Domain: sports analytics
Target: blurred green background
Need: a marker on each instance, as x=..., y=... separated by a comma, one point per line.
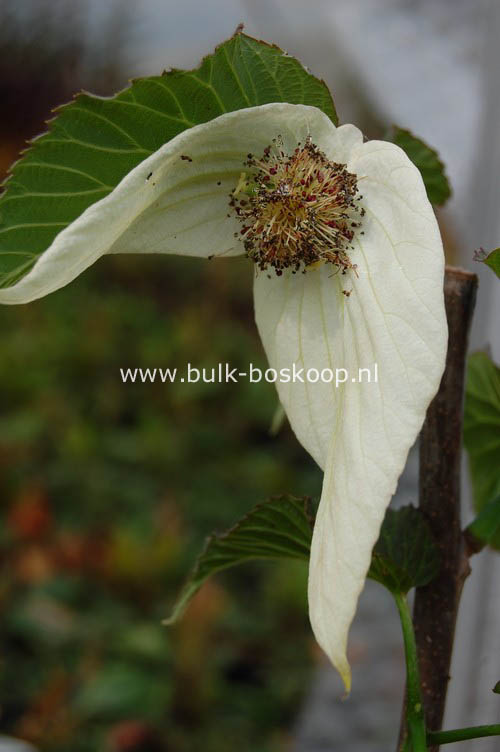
x=108, y=489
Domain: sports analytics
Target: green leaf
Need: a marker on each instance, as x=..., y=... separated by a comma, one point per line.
x=486, y=527
x=491, y=259
x=93, y=142
x=482, y=437
x=496, y=688
x=428, y=162
x=280, y=528
x=405, y=554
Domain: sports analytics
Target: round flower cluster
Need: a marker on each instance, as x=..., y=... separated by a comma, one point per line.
x=297, y=210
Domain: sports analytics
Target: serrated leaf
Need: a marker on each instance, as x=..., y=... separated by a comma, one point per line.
x=428, y=162
x=276, y=529
x=93, y=142
x=482, y=434
x=405, y=555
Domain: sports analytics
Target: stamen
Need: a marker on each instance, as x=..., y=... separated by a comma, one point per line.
x=297, y=210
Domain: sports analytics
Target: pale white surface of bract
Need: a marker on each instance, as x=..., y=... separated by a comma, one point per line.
x=168, y=204
x=360, y=433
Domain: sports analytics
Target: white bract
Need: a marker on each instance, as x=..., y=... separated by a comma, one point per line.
x=384, y=305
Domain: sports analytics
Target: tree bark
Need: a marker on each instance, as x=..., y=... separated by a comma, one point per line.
x=436, y=605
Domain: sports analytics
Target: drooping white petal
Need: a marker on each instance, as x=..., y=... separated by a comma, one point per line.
x=175, y=201
x=360, y=433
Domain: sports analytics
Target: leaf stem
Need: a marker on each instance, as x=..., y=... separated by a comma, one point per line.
x=415, y=718
x=461, y=734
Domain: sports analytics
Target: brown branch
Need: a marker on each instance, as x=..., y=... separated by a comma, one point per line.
x=436, y=605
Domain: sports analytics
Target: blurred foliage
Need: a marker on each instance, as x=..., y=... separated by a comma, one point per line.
x=48, y=51
x=482, y=441
x=108, y=489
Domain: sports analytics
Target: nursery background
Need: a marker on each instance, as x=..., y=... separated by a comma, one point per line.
x=108, y=489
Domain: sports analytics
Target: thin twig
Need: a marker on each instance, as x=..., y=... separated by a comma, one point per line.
x=462, y=734
x=414, y=711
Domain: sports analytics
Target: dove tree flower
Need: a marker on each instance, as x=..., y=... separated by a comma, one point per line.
x=348, y=273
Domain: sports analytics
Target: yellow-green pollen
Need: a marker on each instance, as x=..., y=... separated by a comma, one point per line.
x=297, y=210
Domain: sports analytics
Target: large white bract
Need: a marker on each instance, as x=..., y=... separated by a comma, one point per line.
x=176, y=201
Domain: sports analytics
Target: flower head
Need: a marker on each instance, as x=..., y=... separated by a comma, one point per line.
x=298, y=208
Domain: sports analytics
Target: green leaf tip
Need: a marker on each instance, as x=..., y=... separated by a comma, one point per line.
x=93, y=142
x=280, y=528
x=491, y=259
x=428, y=162
x=405, y=555
x=496, y=688
x=482, y=441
